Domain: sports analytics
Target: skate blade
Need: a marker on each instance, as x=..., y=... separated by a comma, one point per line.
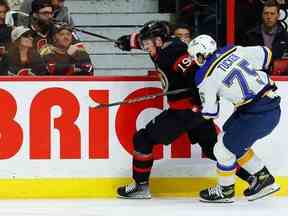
x=227, y=200
x=135, y=197
x=264, y=192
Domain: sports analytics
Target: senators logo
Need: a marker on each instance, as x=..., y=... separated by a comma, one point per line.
x=25, y=72
x=41, y=44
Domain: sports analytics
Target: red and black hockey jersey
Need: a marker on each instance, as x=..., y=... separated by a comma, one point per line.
x=179, y=69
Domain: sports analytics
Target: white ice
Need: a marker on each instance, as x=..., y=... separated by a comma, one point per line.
x=154, y=207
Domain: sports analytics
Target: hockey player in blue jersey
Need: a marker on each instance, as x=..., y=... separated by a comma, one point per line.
x=236, y=74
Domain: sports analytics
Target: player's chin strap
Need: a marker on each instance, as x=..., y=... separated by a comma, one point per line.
x=143, y=98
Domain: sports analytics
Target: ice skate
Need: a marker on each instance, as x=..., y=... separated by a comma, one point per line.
x=262, y=185
x=134, y=191
x=218, y=194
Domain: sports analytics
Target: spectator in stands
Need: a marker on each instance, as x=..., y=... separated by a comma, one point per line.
x=5, y=30
x=41, y=23
x=65, y=58
x=61, y=13
x=184, y=32
x=270, y=33
x=21, y=58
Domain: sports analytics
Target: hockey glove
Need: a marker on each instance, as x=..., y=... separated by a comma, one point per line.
x=123, y=43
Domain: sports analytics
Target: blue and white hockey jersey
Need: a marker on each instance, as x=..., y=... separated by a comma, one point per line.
x=234, y=73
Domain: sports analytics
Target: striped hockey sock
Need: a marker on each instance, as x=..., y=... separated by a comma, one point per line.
x=142, y=165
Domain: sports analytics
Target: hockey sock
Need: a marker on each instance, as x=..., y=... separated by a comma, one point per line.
x=250, y=162
x=243, y=174
x=142, y=165
x=226, y=174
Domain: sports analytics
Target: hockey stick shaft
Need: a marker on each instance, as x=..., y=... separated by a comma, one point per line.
x=144, y=98
x=95, y=35
x=59, y=22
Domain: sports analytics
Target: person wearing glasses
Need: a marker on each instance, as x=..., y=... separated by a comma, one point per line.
x=60, y=11
x=21, y=58
x=41, y=23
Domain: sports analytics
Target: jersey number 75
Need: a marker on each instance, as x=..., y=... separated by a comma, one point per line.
x=238, y=74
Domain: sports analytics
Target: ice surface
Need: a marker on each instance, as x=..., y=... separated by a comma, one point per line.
x=157, y=206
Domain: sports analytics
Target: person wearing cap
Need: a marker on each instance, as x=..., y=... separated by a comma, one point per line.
x=65, y=58
x=21, y=58
x=5, y=30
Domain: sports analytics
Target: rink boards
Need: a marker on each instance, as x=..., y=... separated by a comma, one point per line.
x=55, y=143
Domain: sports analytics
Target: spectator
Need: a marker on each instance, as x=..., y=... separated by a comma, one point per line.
x=65, y=58
x=21, y=58
x=5, y=30
x=61, y=13
x=270, y=33
x=41, y=23
x=184, y=32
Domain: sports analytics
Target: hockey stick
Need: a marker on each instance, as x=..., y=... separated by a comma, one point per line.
x=87, y=32
x=143, y=98
x=95, y=35
x=10, y=21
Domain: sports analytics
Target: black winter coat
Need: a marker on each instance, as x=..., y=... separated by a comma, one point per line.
x=279, y=45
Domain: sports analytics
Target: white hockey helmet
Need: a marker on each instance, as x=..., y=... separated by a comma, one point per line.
x=201, y=47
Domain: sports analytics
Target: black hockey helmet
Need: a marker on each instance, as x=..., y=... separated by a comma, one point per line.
x=153, y=29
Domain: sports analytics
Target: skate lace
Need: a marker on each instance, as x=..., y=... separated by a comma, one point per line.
x=130, y=188
x=217, y=190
